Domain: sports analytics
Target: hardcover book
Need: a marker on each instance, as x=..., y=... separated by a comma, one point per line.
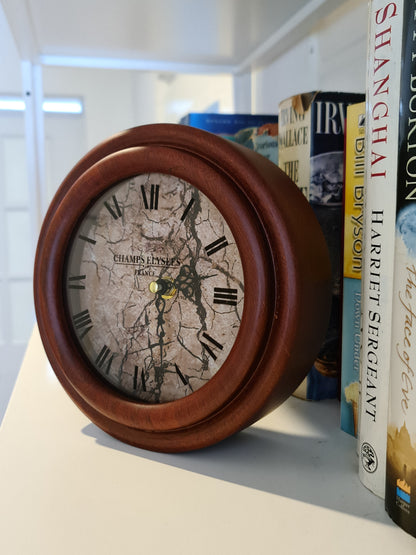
x=353, y=245
x=383, y=77
x=257, y=132
x=400, y=498
x=311, y=152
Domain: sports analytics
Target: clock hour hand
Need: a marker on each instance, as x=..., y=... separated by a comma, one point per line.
x=162, y=290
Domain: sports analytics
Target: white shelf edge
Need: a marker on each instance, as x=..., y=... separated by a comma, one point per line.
x=133, y=64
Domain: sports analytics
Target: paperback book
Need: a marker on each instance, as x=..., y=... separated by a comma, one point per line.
x=400, y=498
x=353, y=250
x=383, y=78
x=311, y=152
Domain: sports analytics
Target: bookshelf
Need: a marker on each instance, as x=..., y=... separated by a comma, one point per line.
x=288, y=484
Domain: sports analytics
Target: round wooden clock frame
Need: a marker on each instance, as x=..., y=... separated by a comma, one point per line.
x=286, y=280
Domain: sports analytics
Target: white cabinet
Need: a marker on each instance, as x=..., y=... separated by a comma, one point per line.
x=67, y=486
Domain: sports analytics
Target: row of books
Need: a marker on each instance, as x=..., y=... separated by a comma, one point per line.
x=354, y=158
x=306, y=139
x=376, y=348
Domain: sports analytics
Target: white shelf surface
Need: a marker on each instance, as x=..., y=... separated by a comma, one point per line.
x=286, y=485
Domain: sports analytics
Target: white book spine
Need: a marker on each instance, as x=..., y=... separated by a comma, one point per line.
x=401, y=438
x=382, y=109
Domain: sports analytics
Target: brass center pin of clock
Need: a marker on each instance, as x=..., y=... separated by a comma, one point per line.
x=164, y=286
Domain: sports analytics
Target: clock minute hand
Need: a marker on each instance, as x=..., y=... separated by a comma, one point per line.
x=186, y=281
x=160, y=307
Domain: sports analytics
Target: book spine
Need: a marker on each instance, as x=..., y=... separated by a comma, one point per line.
x=353, y=245
x=383, y=77
x=328, y=117
x=256, y=132
x=400, y=496
x=311, y=152
x=294, y=160
x=294, y=143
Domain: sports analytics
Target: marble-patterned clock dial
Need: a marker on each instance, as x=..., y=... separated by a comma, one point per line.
x=154, y=287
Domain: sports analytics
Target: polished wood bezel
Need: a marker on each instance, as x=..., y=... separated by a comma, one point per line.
x=286, y=270
x=259, y=292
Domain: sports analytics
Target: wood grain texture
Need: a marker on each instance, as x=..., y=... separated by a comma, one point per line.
x=286, y=273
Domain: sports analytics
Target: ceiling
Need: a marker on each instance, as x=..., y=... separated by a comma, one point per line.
x=205, y=35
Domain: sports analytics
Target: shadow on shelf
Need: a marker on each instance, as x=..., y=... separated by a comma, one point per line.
x=318, y=470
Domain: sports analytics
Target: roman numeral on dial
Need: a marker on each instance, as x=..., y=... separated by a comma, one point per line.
x=184, y=379
x=102, y=360
x=152, y=202
x=209, y=348
x=136, y=379
x=227, y=296
x=215, y=246
x=76, y=282
x=87, y=239
x=113, y=208
x=188, y=207
x=82, y=321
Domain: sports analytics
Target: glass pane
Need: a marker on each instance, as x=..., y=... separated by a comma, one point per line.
x=14, y=156
x=19, y=243
x=22, y=313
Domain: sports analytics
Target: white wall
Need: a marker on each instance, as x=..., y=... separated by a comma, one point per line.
x=280, y=79
x=183, y=93
x=107, y=96
x=332, y=57
x=118, y=99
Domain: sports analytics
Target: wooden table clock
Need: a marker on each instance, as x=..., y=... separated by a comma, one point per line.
x=182, y=287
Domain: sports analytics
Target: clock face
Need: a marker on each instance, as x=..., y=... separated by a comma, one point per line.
x=154, y=287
